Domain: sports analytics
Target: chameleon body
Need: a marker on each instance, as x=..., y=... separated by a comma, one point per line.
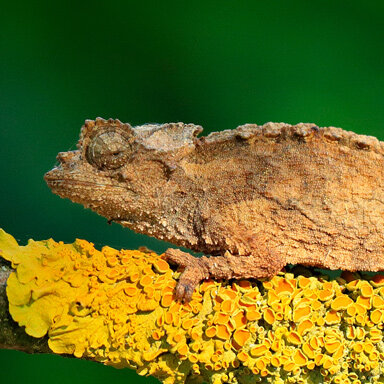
x=256, y=197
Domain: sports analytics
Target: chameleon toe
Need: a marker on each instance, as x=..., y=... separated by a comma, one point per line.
x=184, y=292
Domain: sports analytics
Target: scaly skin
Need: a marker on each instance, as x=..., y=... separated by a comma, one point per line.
x=257, y=197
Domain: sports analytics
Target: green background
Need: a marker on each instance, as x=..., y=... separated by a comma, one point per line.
x=215, y=63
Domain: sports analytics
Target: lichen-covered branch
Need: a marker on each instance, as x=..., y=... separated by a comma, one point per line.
x=119, y=308
x=12, y=336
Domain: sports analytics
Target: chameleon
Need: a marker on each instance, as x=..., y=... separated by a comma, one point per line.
x=252, y=199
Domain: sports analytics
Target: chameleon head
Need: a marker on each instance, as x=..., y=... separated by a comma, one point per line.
x=122, y=172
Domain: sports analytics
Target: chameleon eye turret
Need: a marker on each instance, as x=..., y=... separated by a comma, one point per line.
x=108, y=150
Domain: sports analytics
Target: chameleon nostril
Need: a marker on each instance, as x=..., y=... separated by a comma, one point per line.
x=61, y=156
x=65, y=157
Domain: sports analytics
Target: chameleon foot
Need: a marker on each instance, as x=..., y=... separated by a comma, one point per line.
x=194, y=272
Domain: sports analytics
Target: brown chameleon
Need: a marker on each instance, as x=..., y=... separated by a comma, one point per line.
x=256, y=197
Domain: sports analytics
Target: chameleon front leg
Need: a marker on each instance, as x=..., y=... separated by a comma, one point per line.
x=257, y=265
x=195, y=270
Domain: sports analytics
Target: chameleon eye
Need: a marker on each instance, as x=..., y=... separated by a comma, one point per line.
x=108, y=150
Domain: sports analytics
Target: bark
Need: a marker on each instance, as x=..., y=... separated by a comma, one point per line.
x=11, y=335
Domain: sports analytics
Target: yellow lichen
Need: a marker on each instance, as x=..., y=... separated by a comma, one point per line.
x=118, y=308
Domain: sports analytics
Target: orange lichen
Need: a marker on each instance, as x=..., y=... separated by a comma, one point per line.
x=258, y=350
x=161, y=266
x=223, y=332
x=332, y=317
x=304, y=326
x=269, y=316
x=226, y=306
x=283, y=286
x=376, y=316
x=301, y=313
x=325, y=294
x=294, y=338
x=211, y=331
x=239, y=319
x=118, y=307
x=377, y=301
x=241, y=336
x=341, y=302
x=299, y=358
x=221, y=318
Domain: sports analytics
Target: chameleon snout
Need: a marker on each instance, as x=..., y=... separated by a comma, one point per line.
x=66, y=157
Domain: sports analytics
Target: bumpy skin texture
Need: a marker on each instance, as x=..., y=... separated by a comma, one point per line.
x=258, y=197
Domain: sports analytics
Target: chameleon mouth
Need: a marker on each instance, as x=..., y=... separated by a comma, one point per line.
x=61, y=183
x=56, y=182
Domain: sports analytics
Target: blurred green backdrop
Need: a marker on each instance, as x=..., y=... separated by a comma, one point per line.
x=215, y=63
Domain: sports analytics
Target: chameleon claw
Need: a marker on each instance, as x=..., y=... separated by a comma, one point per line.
x=184, y=292
x=194, y=272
